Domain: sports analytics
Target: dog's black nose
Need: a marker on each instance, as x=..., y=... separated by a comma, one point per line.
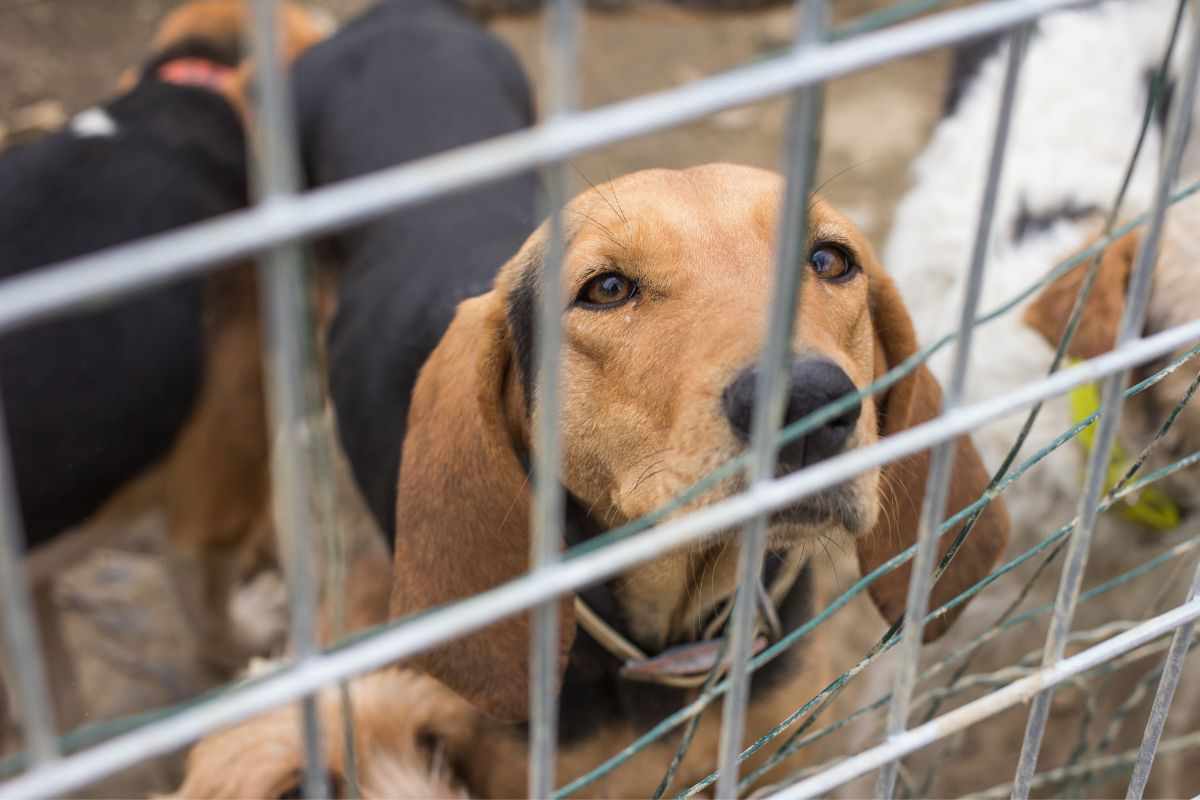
x=816, y=382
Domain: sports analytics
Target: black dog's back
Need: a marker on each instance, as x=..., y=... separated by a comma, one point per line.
x=93, y=398
x=405, y=81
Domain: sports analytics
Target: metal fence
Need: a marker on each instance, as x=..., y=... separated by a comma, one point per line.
x=283, y=218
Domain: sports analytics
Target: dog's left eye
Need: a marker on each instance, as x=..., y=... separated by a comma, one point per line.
x=607, y=290
x=832, y=263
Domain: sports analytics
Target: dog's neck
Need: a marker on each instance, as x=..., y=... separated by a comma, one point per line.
x=668, y=600
x=678, y=598
x=661, y=627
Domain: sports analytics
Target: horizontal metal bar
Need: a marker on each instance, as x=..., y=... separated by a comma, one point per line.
x=435, y=627
x=87, y=279
x=1021, y=691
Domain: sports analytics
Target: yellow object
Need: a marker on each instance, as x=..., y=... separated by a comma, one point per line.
x=1151, y=506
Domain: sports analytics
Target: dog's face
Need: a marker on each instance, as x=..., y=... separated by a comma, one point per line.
x=666, y=292
x=1175, y=284
x=667, y=286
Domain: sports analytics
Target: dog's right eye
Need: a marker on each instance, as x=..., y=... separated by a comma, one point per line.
x=607, y=290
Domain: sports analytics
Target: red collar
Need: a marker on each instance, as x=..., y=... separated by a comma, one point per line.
x=197, y=72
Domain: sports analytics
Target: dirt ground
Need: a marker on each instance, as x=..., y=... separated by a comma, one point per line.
x=60, y=56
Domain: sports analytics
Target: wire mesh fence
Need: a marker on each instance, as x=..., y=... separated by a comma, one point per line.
x=283, y=218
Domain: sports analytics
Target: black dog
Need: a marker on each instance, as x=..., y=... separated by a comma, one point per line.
x=404, y=81
x=94, y=398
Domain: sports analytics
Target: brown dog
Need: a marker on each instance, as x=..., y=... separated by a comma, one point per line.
x=666, y=290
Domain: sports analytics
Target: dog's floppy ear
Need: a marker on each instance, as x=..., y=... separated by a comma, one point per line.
x=1097, y=331
x=916, y=399
x=463, y=504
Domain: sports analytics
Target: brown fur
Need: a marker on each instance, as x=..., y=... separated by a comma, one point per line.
x=227, y=21
x=218, y=492
x=404, y=726
x=1097, y=331
x=217, y=489
x=416, y=739
x=700, y=242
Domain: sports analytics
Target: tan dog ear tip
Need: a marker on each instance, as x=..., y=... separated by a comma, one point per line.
x=1034, y=316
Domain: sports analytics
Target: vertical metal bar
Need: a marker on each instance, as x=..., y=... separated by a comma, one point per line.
x=1106, y=429
x=561, y=44
x=772, y=383
x=933, y=508
x=22, y=643
x=291, y=381
x=1172, y=672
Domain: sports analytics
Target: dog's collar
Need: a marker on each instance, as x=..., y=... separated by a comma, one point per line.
x=689, y=665
x=686, y=665
x=195, y=71
x=1151, y=506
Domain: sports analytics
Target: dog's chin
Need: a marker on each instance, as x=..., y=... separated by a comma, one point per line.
x=810, y=515
x=834, y=511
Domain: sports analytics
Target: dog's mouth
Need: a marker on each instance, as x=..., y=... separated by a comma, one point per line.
x=835, y=507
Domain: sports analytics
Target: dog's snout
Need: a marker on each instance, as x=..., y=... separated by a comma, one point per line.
x=816, y=382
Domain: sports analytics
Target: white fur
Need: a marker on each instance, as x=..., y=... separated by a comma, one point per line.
x=94, y=123
x=1076, y=120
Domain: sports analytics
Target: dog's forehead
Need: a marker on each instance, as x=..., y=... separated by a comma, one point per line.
x=703, y=204
x=708, y=195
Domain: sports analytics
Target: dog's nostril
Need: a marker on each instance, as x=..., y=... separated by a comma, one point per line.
x=815, y=384
x=847, y=420
x=737, y=401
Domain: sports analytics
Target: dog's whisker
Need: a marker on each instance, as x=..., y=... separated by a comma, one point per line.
x=608, y=233
x=658, y=469
x=840, y=173
x=615, y=209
